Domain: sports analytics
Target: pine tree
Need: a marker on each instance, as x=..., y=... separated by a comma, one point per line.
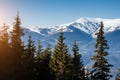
x=17, y=48
x=29, y=60
x=101, y=67
x=45, y=60
x=4, y=38
x=39, y=51
x=38, y=62
x=61, y=59
x=118, y=75
x=5, y=58
x=78, y=66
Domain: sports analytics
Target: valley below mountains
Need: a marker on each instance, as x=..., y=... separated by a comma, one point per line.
x=83, y=32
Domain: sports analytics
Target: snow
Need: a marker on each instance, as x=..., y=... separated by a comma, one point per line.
x=83, y=31
x=111, y=24
x=85, y=24
x=35, y=29
x=91, y=25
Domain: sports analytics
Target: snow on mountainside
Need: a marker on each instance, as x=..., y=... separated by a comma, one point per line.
x=82, y=31
x=93, y=23
x=88, y=25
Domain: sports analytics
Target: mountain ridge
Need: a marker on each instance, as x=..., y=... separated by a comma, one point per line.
x=83, y=32
x=88, y=25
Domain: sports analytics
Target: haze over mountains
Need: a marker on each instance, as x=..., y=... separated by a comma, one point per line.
x=83, y=32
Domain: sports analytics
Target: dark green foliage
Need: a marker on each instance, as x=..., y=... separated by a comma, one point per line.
x=118, y=75
x=46, y=56
x=45, y=60
x=101, y=67
x=4, y=38
x=28, y=60
x=17, y=49
x=22, y=63
x=5, y=54
x=78, y=66
x=39, y=51
x=38, y=62
x=60, y=61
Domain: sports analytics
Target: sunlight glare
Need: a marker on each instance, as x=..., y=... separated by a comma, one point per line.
x=2, y=14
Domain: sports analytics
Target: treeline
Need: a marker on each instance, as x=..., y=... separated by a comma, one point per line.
x=27, y=62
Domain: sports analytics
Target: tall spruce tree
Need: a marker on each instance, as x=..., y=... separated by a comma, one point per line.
x=45, y=59
x=118, y=75
x=17, y=48
x=101, y=67
x=39, y=51
x=78, y=66
x=5, y=56
x=29, y=59
x=4, y=38
x=38, y=62
x=60, y=60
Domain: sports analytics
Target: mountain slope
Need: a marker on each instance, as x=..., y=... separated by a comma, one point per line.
x=82, y=31
x=88, y=25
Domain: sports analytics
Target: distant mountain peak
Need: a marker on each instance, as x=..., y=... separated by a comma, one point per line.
x=85, y=24
x=83, y=32
x=86, y=19
x=91, y=25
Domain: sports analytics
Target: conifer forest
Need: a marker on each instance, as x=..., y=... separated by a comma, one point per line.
x=25, y=61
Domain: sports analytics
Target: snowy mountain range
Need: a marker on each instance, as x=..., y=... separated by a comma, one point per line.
x=88, y=25
x=83, y=32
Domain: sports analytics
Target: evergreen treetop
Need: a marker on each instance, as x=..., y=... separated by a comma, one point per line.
x=118, y=75
x=60, y=59
x=101, y=67
x=78, y=66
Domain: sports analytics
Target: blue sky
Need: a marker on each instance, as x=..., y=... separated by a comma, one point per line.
x=55, y=12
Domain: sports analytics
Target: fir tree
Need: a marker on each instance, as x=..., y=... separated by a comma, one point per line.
x=38, y=62
x=17, y=48
x=29, y=60
x=45, y=59
x=39, y=51
x=61, y=59
x=101, y=67
x=4, y=38
x=5, y=56
x=47, y=55
x=78, y=66
x=118, y=75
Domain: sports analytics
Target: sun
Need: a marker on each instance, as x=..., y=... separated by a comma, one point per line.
x=2, y=14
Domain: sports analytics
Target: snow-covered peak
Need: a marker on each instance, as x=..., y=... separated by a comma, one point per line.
x=85, y=24
x=91, y=25
x=34, y=29
x=87, y=19
x=109, y=24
